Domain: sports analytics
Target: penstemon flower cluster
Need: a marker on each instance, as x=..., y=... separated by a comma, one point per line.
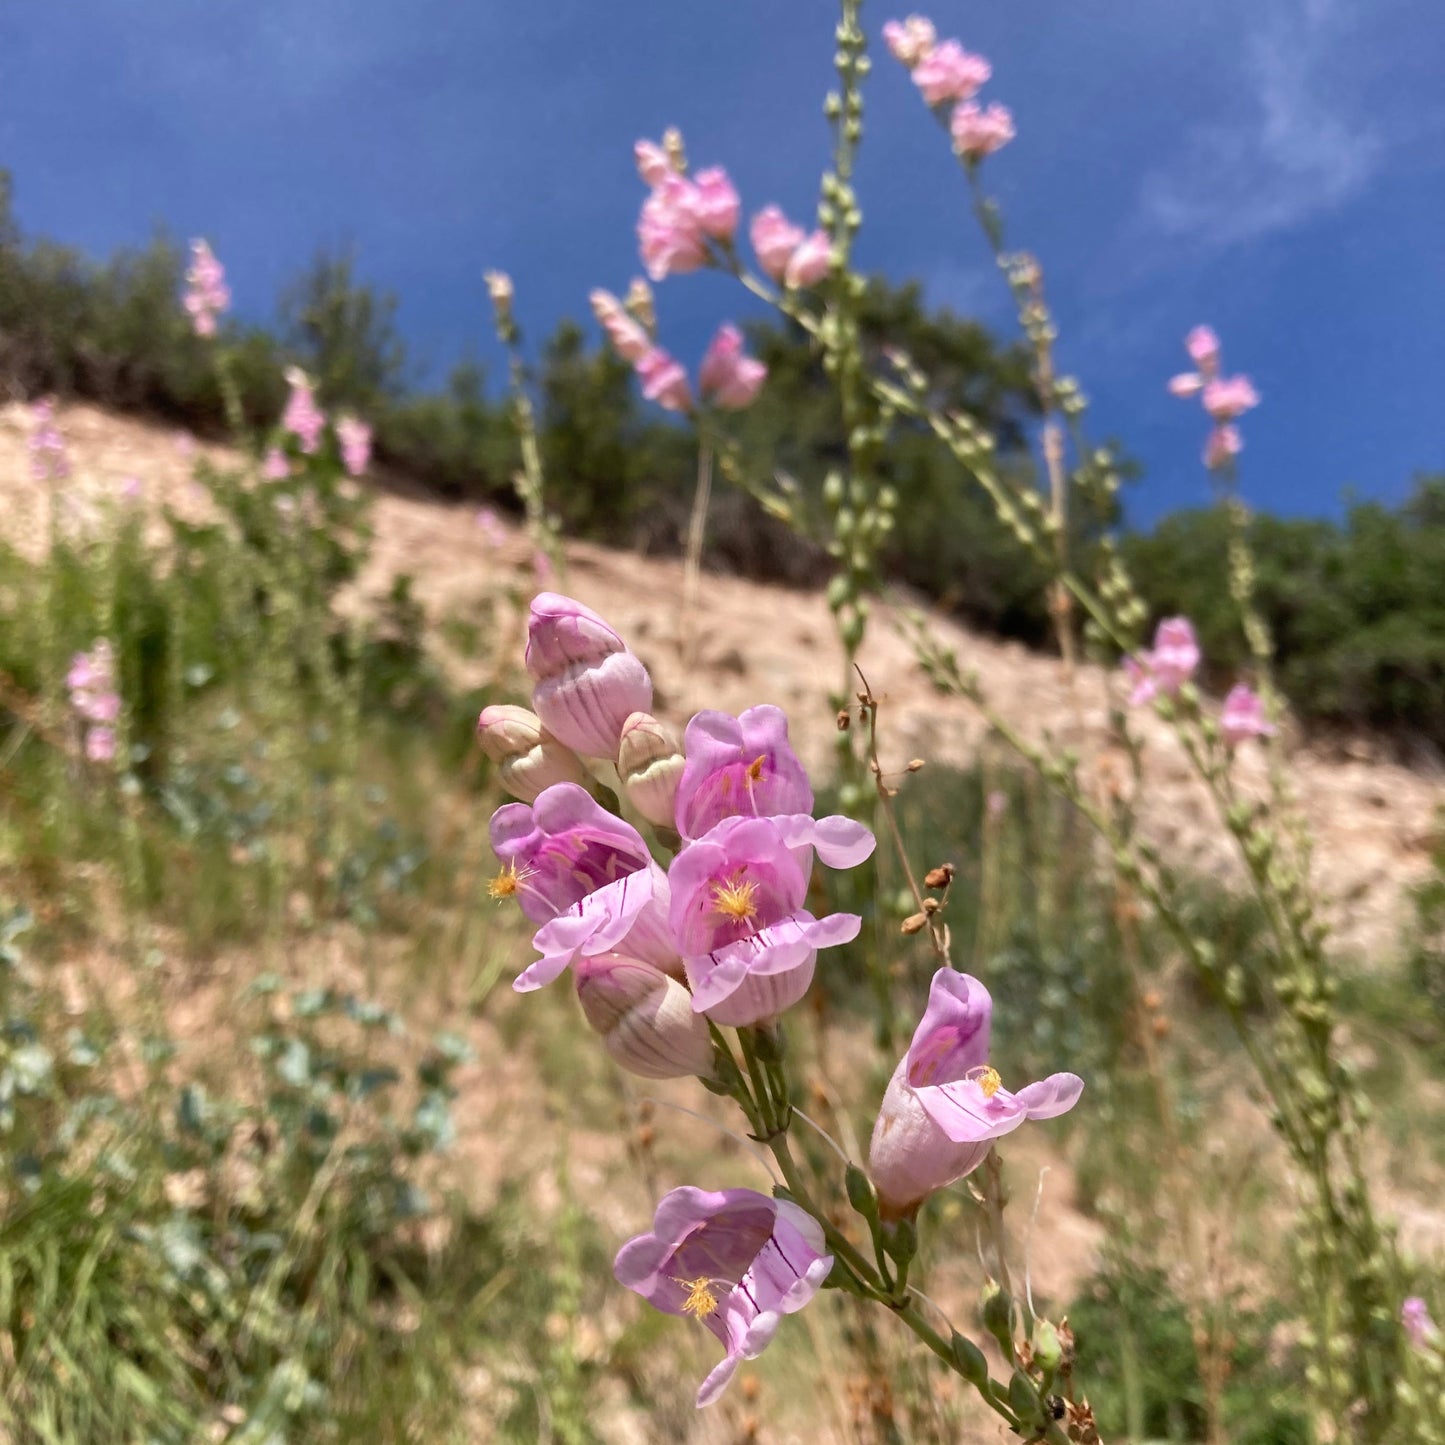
x=95, y=700
x=707, y=929
x=207, y=295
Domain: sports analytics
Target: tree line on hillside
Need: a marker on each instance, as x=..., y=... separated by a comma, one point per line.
x=1357, y=606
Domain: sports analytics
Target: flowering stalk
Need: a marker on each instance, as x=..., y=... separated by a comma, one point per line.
x=529, y=482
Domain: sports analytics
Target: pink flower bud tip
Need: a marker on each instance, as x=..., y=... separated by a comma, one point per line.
x=628, y=337
x=664, y=380
x=587, y=682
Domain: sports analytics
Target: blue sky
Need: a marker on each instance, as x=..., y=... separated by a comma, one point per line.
x=1273, y=167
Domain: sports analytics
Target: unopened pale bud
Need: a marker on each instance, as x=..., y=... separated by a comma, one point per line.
x=527, y=756
x=650, y=763
x=587, y=682
x=645, y=1018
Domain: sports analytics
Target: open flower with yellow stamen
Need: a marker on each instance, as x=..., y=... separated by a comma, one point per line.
x=734, y=1260
x=739, y=766
x=946, y=1103
x=586, y=877
x=737, y=914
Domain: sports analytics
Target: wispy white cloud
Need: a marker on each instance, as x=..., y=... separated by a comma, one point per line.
x=1298, y=149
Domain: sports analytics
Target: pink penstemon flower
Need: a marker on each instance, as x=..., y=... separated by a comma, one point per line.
x=645, y=1017
x=946, y=1103
x=628, y=336
x=354, y=437
x=1164, y=669
x=910, y=40
x=302, y=417
x=980, y=131
x=728, y=377
x=775, y=238
x=95, y=700
x=1225, y=398
x=207, y=294
x=948, y=72
x=735, y=1260
x=738, y=914
x=1243, y=716
x=664, y=380
x=275, y=467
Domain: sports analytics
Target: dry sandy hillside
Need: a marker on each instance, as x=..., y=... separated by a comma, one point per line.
x=1372, y=819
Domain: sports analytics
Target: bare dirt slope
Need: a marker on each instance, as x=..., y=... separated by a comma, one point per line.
x=1372, y=819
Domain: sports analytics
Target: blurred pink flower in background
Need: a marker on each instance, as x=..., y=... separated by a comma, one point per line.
x=949, y=72
x=1168, y=666
x=1228, y=397
x=653, y=163
x=130, y=489
x=355, y=438
x=1203, y=348
x=910, y=40
x=1419, y=1327
x=728, y=377
x=980, y=131
x=207, y=294
x=275, y=468
x=94, y=700
x=628, y=336
x=302, y=417
x=811, y=262
x=1243, y=716
x=716, y=204
x=1221, y=446
x=490, y=525
x=774, y=239
x=664, y=380
x=48, y=459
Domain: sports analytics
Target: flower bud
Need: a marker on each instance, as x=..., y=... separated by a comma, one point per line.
x=527, y=756
x=645, y=1018
x=650, y=762
x=587, y=682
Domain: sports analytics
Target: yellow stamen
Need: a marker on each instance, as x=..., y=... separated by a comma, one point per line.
x=734, y=899
x=700, y=1301
x=755, y=768
x=987, y=1078
x=507, y=883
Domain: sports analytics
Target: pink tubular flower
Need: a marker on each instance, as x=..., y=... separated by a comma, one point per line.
x=649, y=764
x=628, y=337
x=1226, y=398
x=811, y=262
x=945, y=1104
x=355, y=438
x=774, y=238
x=207, y=294
x=716, y=204
x=275, y=468
x=302, y=417
x=1242, y=716
x=980, y=131
x=1203, y=348
x=670, y=229
x=100, y=745
x=94, y=700
x=949, y=72
x=528, y=758
x=1175, y=657
x=48, y=459
x=586, y=877
x=727, y=377
x=664, y=380
x=644, y=1016
x=1419, y=1327
x=586, y=681
x=737, y=915
x=739, y=767
x=1221, y=446
x=910, y=40
x=653, y=163
x=736, y=1260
